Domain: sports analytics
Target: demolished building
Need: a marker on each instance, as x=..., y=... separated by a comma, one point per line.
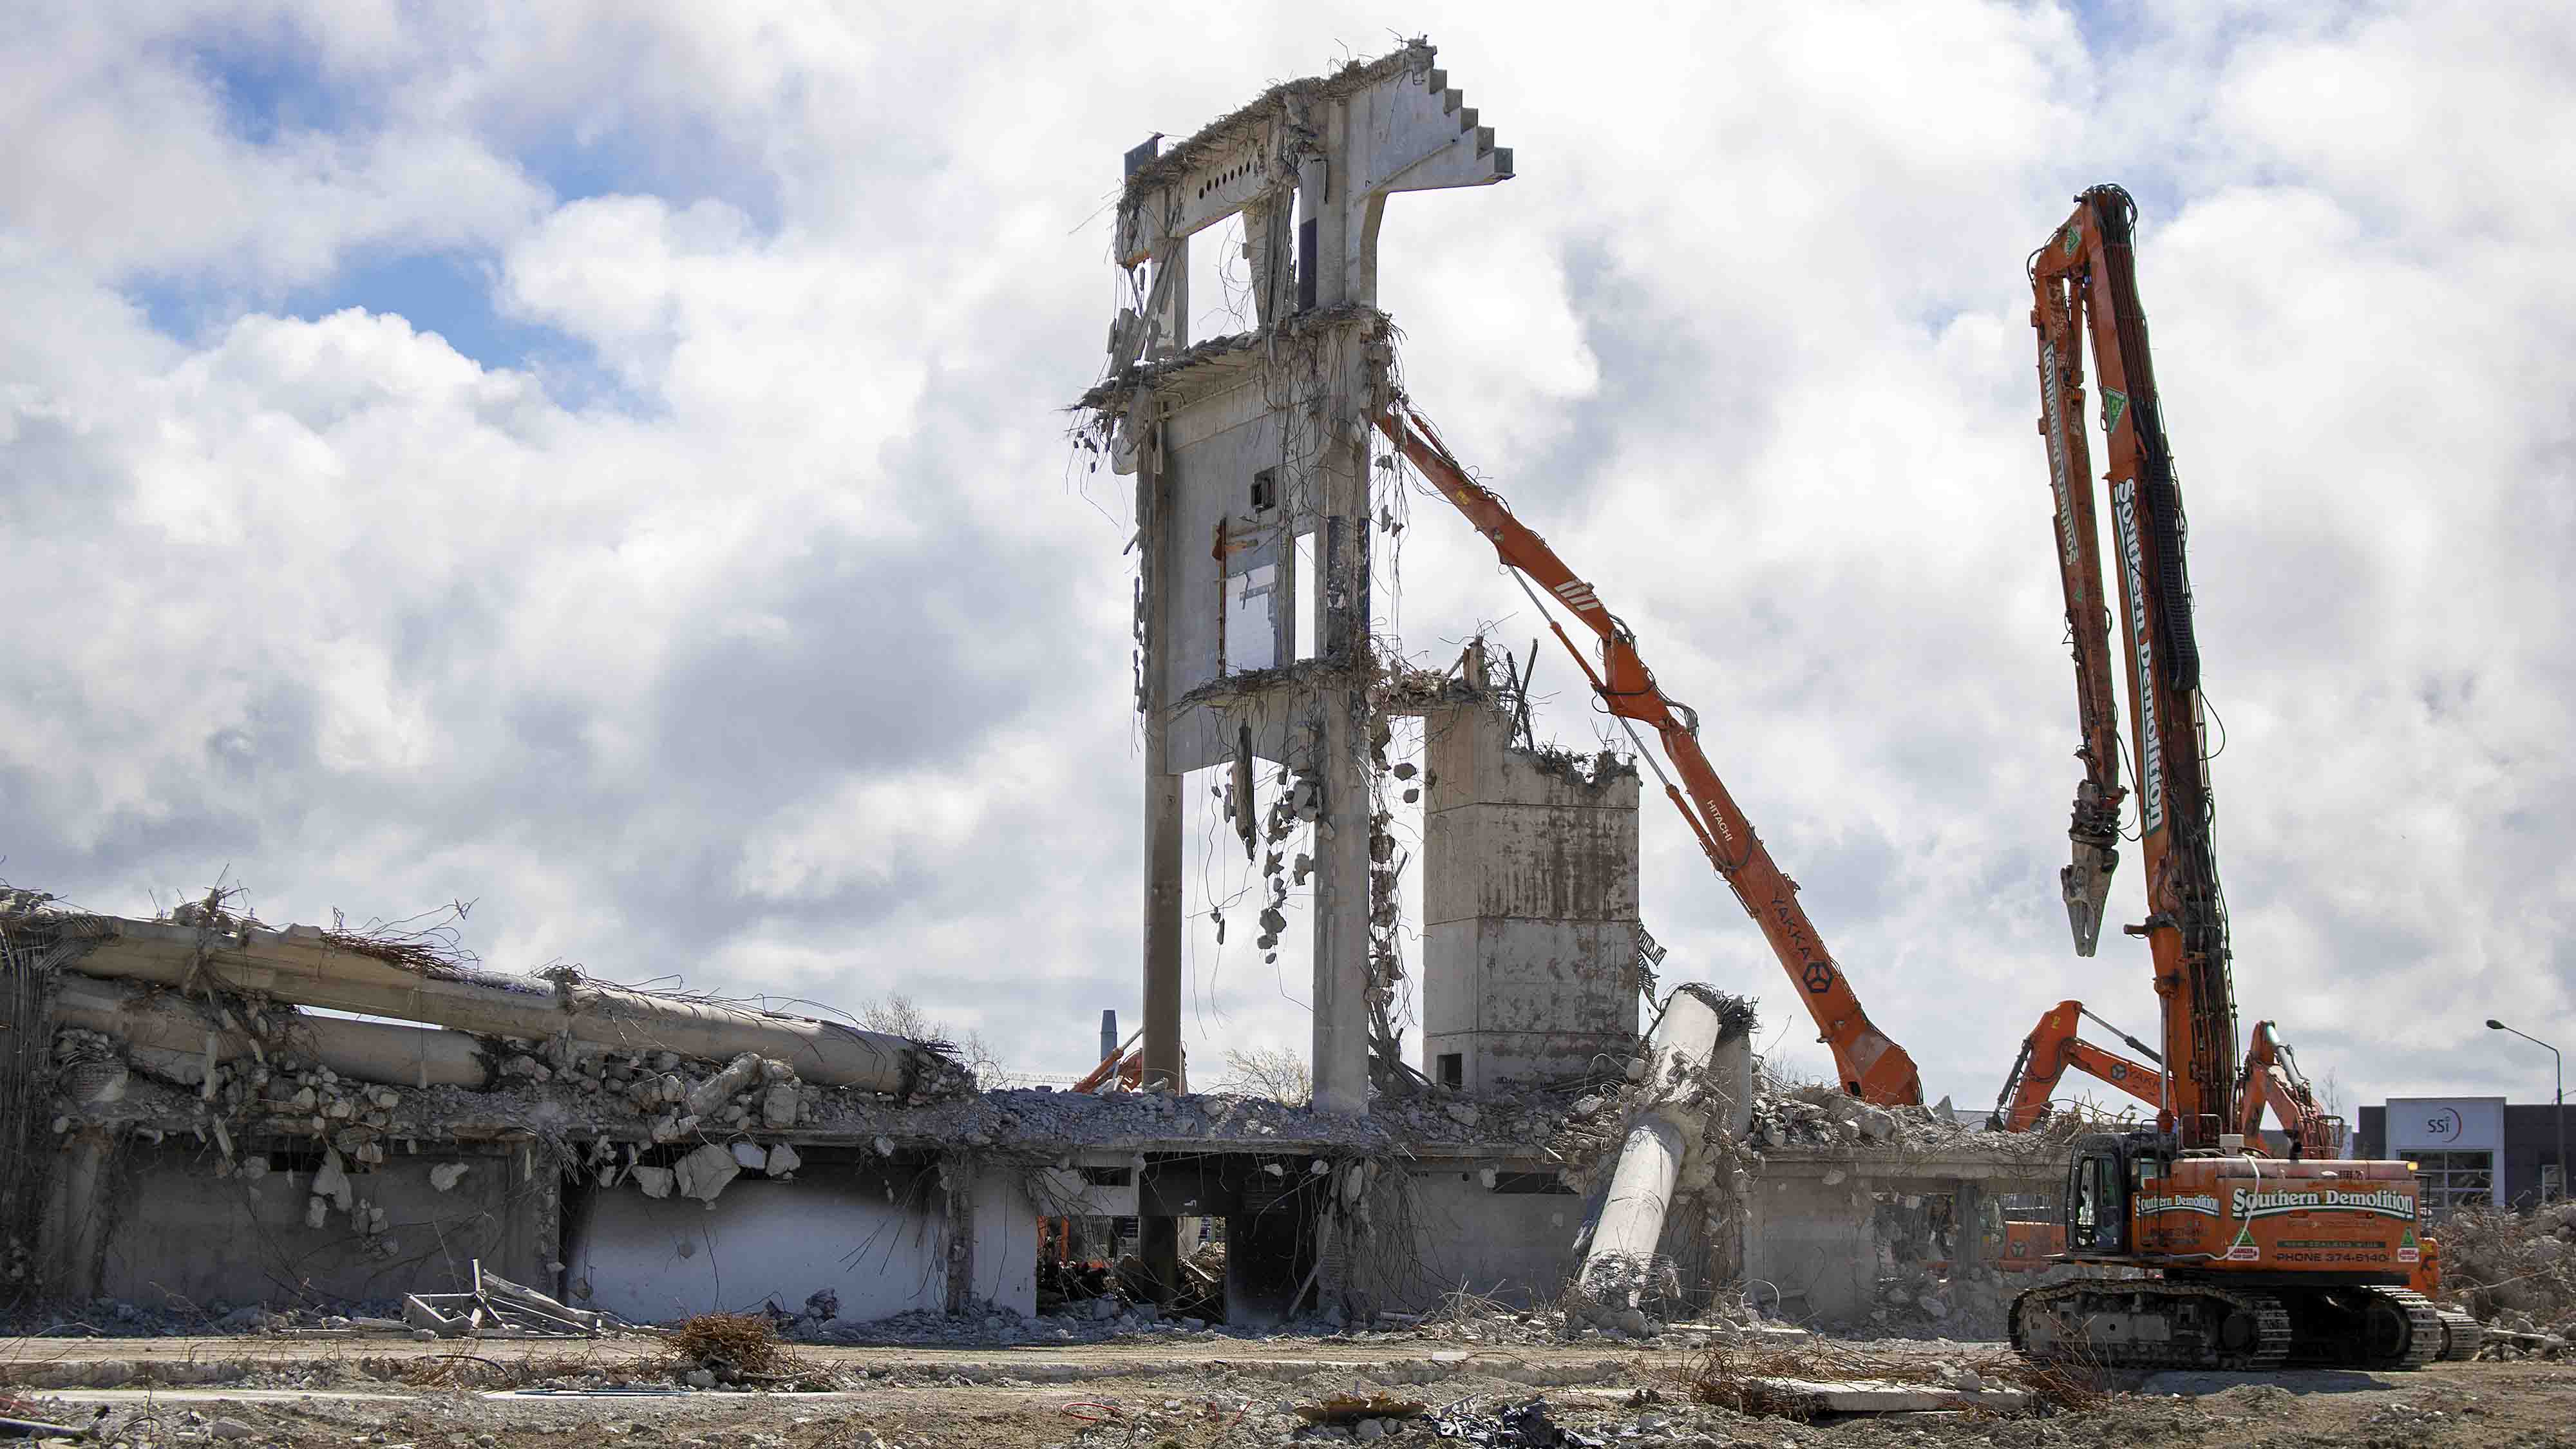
x=206, y=1110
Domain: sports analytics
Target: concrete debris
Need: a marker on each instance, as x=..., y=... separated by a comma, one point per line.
x=495, y=1307
x=706, y=1172
x=446, y=1175
x=2516, y=1273
x=654, y=1181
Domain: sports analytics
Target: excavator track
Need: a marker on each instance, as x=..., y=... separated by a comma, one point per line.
x=2154, y=1323
x=2461, y=1335
x=2424, y=1333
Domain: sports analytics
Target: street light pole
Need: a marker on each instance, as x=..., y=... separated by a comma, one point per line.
x=2559, y=1069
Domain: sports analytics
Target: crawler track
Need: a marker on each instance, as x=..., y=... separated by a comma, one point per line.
x=2205, y=1326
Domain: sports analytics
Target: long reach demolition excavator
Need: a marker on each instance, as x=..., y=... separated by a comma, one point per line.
x=2250, y=1262
x=1870, y=1065
x=2052, y=1048
x=2270, y=1078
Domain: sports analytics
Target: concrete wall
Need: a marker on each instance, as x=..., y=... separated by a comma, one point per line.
x=656, y=1259
x=834, y=1227
x=1529, y=907
x=1816, y=1243
x=1509, y=1245
x=169, y=1228
x=1006, y=1243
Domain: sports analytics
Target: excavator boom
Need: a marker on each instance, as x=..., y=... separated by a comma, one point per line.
x=2051, y=1048
x=2084, y=286
x=2272, y=1079
x=1871, y=1066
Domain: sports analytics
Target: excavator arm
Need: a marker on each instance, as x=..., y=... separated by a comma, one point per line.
x=1871, y=1066
x=2272, y=1079
x=2085, y=288
x=2051, y=1048
x=2057, y=313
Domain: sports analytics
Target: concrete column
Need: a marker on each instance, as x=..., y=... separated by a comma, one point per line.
x=1162, y=1044
x=1158, y=1239
x=1341, y=1045
x=1631, y=1223
x=76, y=1237
x=1967, y=1229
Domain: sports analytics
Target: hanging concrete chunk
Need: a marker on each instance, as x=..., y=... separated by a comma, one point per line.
x=749, y=1156
x=332, y=1181
x=656, y=1181
x=783, y=1160
x=704, y=1173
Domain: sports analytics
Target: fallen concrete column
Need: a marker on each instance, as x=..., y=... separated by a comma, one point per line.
x=183, y=1042
x=1621, y=1261
x=307, y=966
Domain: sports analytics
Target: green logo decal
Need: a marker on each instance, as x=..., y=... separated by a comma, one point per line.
x=2243, y=1249
x=2071, y=238
x=2113, y=405
x=2409, y=1248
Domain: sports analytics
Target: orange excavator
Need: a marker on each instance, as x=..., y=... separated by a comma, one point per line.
x=2248, y=1262
x=1870, y=1066
x=2051, y=1048
x=2271, y=1078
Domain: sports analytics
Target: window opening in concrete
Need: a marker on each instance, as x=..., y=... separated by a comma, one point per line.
x=296, y=1159
x=1453, y=1069
x=1251, y=641
x=1265, y=490
x=1268, y=1253
x=1308, y=594
x=1527, y=1184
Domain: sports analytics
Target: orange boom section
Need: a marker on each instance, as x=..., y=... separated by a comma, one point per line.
x=1871, y=1066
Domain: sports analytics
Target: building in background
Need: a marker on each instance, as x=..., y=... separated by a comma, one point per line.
x=2468, y=1149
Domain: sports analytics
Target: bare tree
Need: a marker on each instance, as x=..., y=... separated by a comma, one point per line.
x=896, y=1014
x=1273, y=1072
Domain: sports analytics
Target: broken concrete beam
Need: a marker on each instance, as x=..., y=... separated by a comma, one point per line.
x=419, y=1313
x=737, y=1076
x=521, y=1296
x=308, y=967
x=179, y=1036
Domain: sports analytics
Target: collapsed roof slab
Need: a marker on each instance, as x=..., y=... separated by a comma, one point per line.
x=312, y=967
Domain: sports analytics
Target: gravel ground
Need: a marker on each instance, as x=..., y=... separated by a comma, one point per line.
x=1230, y=1394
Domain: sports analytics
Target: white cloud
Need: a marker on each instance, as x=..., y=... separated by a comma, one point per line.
x=795, y=657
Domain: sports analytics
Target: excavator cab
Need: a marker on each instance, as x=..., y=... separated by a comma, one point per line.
x=2097, y=1197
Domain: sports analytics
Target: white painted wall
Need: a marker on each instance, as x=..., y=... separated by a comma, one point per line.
x=652, y=1260
x=1006, y=1244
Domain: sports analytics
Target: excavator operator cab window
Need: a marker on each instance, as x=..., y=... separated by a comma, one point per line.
x=2098, y=1209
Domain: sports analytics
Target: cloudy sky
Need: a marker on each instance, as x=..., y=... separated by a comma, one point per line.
x=605, y=462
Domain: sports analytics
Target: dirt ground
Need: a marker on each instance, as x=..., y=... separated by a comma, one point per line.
x=1222, y=1394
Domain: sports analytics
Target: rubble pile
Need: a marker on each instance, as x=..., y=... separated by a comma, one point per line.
x=1926, y=1300
x=1818, y=1114
x=2516, y=1273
